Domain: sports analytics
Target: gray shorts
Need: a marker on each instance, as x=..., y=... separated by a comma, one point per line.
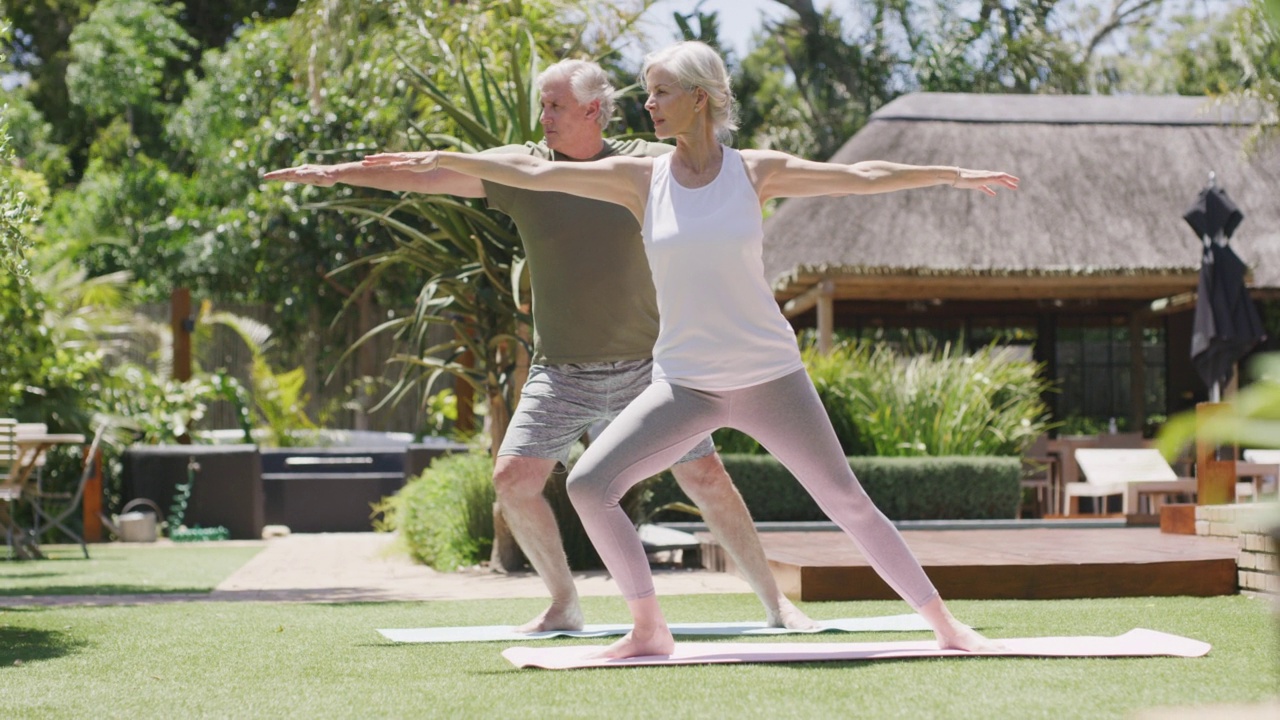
x=560, y=403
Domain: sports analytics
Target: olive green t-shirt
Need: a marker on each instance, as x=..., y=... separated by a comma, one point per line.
x=593, y=297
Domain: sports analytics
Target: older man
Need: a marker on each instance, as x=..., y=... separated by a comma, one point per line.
x=595, y=320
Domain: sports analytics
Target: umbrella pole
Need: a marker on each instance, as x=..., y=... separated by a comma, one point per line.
x=1215, y=479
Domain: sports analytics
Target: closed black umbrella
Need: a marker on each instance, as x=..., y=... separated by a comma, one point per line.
x=1227, y=325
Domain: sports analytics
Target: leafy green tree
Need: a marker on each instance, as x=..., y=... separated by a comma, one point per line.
x=119, y=55
x=41, y=50
x=241, y=232
x=814, y=78
x=1255, y=46
x=16, y=212
x=469, y=73
x=31, y=138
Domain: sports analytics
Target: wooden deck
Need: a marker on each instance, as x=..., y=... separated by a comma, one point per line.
x=1024, y=564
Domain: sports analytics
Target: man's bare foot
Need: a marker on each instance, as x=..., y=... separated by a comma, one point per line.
x=555, y=618
x=633, y=644
x=963, y=637
x=789, y=616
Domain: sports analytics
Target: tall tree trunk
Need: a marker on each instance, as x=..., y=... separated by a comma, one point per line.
x=506, y=555
x=366, y=356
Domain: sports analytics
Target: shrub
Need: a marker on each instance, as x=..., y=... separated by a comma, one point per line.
x=445, y=515
x=943, y=488
x=931, y=404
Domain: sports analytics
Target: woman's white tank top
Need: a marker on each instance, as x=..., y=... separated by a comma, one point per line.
x=720, y=327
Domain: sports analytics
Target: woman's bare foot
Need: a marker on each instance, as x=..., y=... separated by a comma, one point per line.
x=641, y=644
x=789, y=616
x=963, y=637
x=953, y=634
x=555, y=618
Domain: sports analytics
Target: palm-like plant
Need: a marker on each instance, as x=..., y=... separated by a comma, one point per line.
x=470, y=69
x=470, y=258
x=934, y=403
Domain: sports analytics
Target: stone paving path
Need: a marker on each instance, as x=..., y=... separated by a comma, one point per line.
x=345, y=567
x=362, y=567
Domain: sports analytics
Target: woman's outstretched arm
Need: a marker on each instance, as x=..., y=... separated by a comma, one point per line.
x=778, y=174
x=619, y=180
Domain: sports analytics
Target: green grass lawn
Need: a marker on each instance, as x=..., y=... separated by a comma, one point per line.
x=326, y=661
x=124, y=569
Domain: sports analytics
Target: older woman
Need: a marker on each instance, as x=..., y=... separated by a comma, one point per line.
x=725, y=355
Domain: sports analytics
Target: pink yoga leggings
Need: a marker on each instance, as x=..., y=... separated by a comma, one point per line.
x=786, y=417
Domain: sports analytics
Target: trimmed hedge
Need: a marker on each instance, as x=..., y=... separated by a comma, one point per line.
x=904, y=488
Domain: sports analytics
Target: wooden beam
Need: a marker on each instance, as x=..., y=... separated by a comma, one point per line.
x=1144, y=288
x=1170, y=305
x=808, y=299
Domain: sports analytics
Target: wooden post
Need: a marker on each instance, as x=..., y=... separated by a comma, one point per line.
x=1215, y=479
x=180, y=319
x=521, y=374
x=465, y=394
x=1137, y=375
x=826, y=316
x=182, y=323
x=91, y=504
x=506, y=555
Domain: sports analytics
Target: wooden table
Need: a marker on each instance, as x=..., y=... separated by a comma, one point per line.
x=30, y=449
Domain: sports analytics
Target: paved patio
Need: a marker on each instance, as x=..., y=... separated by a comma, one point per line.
x=364, y=567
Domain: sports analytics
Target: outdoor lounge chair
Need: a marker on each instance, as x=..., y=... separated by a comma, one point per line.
x=1130, y=474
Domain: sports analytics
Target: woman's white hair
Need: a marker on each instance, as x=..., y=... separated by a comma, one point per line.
x=587, y=81
x=696, y=65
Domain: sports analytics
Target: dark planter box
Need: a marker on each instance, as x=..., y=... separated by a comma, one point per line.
x=329, y=489
x=228, y=489
x=309, y=490
x=334, y=489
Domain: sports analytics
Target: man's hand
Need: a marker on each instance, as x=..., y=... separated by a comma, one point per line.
x=318, y=175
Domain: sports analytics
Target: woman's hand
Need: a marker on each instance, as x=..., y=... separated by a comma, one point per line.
x=984, y=180
x=424, y=161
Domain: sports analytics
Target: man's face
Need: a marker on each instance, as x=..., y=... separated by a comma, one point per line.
x=564, y=119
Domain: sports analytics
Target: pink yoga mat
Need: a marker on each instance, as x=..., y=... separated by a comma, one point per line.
x=1135, y=643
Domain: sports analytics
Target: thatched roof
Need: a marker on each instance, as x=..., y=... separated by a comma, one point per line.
x=1105, y=181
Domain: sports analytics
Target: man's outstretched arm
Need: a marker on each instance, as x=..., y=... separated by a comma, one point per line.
x=436, y=182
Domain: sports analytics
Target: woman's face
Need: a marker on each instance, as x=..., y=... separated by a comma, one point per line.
x=672, y=108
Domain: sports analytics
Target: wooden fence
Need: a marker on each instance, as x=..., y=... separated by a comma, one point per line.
x=337, y=397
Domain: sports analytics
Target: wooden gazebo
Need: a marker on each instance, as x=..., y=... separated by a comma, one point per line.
x=1096, y=230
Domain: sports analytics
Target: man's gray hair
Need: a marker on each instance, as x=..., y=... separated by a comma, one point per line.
x=587, y=80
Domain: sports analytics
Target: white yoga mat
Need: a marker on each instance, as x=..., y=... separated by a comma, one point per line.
x=507, y=633
x=1135, y=643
